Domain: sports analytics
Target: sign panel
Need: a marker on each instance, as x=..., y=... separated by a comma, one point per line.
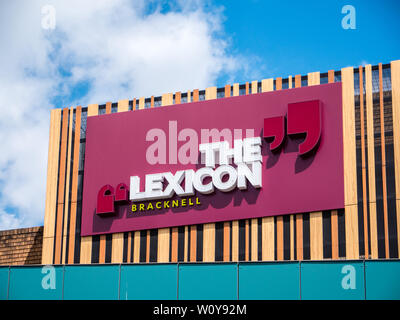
x=243, y=157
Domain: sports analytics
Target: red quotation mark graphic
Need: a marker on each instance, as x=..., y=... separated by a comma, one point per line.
x=302, y=118
x=106, y=198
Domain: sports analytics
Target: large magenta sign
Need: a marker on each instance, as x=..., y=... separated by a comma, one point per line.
x=243, y=157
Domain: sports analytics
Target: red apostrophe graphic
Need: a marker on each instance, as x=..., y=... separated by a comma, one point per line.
x=274, y=128
x=105, y=200
x=305, y=117
x=121, y=193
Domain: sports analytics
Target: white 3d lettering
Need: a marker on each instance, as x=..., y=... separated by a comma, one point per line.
x=245, y=154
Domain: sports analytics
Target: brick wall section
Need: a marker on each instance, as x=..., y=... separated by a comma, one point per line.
x=21, y=246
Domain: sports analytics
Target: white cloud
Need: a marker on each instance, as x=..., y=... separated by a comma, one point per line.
x=141, y=55
x=9, y=221
x=117, y=48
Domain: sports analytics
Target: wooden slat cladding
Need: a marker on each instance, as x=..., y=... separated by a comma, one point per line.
x=279, y=219
x=102, y=245
x=193, y=247
x=51, y=187
x=163, y=245
x=367, y=226
x=74, y=187
x=192, y=230
x=254, y=222
x=67, y=189
x=334, y=235
x=279, y=237
x=267, y=223
x=117, y=241
x=334, y=213
x=234, y=234
x=86, y=242
x=349, y=143
x=174, y=244
x=178, y=97
x=246, y=240
x=316, y=235
x=395, y=76
x=364, y=205
x=375, y=133
x=383, y=154
x=299, y=217
x=350, y=170
x=227, y=229
x=209, y=228
x=61, y=186
x=174, y=232
x=136, y=247
x=388, y=167
x=371, y=162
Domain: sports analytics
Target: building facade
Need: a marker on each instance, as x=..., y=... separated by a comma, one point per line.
x=21, y=246
x=367, y=227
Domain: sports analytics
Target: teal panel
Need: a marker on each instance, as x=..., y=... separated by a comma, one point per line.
x=208, y=281
x=332, y=280
x=269, y=281
x=36, y=283
x=91, y=282
x=383, y=280
x=3, y=283
x=149, y=282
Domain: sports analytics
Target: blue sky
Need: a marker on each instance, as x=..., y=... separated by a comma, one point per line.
x=297, y=37
x=281, y=38
x=102, y=50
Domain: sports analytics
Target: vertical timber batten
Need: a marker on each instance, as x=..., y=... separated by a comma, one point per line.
x=61, y=187
x=51, y=186
x=118, y=238
x=316, y=235
x=74, y=187
x=235, y=224
x=334, y=213
x=371, y=162
x=267, y=238
x=267, y=223
x=363, y=163
x=299, y=217
x=163, y=242
x=395, y=75
x=350, y=170
x=67, y=187
x=254, y=222
x=86, y=242
x=102, y=244
x=383, y=166
x=279, y=219
x=227, y=241
x=209, y=228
